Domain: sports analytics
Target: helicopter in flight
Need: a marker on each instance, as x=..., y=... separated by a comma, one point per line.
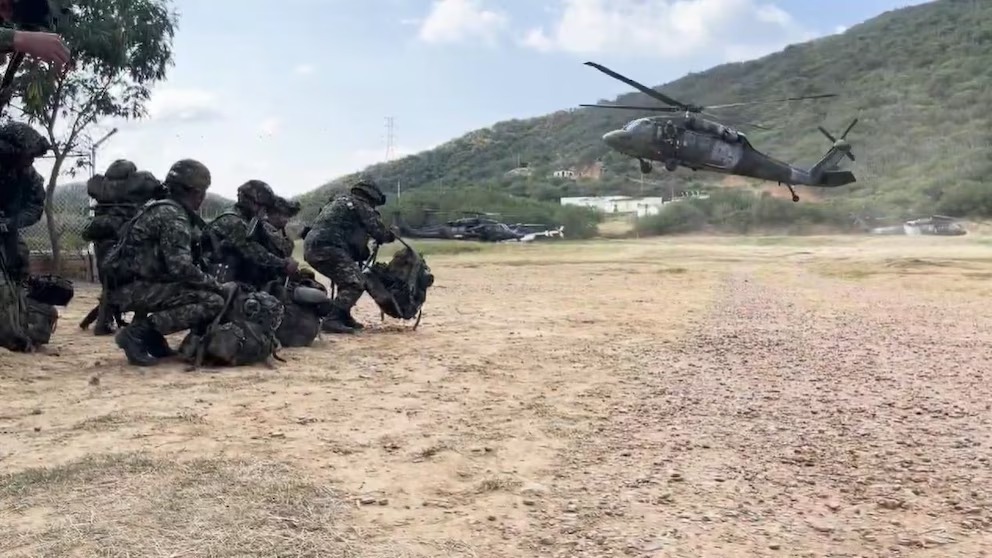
x=685, y=139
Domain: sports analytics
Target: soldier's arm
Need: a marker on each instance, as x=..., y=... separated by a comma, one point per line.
x=176, y=239
x=373, y=224
x=34, y=204
x=234, y=233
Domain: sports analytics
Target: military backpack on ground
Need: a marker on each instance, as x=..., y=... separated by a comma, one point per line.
x=306, y=303
x=244, y=335
x=399, y=288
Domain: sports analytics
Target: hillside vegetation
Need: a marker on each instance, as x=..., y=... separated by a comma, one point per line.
x=919, y=79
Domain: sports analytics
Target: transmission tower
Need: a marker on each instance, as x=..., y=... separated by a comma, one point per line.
x=390, y=128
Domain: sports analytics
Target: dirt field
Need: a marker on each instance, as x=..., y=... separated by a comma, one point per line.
x=698, y=397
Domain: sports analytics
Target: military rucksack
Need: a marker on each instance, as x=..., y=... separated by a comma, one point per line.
x=244, y=335
x=399, y=288
x=306, y=303
x=14, y=333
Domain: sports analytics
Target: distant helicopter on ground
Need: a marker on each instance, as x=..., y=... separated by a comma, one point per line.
x=480, y=227
x=694, y=142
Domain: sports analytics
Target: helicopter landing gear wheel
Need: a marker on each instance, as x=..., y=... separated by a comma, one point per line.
x=645, y=166
x=671, y=166
x=795, y=196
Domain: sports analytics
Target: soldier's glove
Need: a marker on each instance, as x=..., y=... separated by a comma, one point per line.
x=388, y=237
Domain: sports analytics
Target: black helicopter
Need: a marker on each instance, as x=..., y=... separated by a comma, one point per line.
x=691, y=141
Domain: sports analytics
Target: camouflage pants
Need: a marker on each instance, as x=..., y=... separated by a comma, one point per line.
x=338, y=266
x=172, y=307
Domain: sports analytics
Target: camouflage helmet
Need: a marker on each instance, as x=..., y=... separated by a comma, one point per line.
x=18, y=139
x=367, y=188
x=256, y=192
x=120, y=169
x=189, y=174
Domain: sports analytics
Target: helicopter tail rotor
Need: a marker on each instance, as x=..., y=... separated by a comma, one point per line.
x=841, y=144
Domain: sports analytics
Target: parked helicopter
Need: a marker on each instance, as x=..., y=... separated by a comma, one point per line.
x=699, y=144
x=480, y=227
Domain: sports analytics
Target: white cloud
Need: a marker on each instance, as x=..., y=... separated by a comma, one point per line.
x=270, y=126
x=304, y=69
x=737, y=29
x=184, y=105
x=840, y=29
x=452, y=21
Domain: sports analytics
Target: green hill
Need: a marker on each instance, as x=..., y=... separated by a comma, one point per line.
x=919, y=79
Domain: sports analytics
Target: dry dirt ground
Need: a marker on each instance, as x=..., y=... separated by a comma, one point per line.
x=692, y=397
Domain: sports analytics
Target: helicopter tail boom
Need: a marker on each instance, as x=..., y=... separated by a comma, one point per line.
x=824, y=172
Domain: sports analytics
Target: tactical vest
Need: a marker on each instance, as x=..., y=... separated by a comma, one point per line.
x=119, y=266
x=246, y=334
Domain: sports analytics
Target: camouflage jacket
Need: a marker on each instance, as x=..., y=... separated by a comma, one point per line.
x=22, y=197
x=280, y=241
x=159, y=245
x=347, y=222
x=251, y=261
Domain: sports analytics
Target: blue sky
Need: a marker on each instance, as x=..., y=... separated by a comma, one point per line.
x=298, y=95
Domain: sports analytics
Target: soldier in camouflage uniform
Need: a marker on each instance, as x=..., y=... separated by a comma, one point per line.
x=337, y=243
x=278, y=218
x=244, y=250
x=22, y=192
x=152, y=269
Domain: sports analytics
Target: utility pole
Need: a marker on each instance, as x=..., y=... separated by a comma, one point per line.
x=390, y=147
x=94, y=147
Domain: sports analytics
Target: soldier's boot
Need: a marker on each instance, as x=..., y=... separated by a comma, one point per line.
x=351, y=322
x=336, y=322
x=133, y=341
x=158, y=346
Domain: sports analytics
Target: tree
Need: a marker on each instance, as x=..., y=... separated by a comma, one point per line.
x=120, y=48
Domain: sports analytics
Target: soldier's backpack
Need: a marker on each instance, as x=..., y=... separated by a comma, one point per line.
x=399, y=288
x=44, y=293
x=119, y=195
x=244, y=335
x=306, y=303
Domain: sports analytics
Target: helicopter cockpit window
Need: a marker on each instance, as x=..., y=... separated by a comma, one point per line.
x=635, y=123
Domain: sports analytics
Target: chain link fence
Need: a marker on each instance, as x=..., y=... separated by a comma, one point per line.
x=70, y=213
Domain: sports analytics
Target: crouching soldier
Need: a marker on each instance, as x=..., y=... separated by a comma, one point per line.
x=151, y=270
x=236, y=245
x=337, y=243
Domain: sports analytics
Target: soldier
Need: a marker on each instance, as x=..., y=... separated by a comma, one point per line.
x=152, y=271
x=338, y=241
x=278, y=218
x=22, y=192
x=244, y=253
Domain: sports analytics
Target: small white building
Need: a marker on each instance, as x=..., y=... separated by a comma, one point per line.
x=564, y=174
x=620, y=205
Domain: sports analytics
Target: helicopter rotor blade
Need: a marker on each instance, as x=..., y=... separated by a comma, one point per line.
x=849, y=126
x=639, y=86
x=635, y=107
x=826, y=133
x=786, y=99
x=738, y=122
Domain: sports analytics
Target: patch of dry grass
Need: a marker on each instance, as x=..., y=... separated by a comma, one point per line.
x=136, y=505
